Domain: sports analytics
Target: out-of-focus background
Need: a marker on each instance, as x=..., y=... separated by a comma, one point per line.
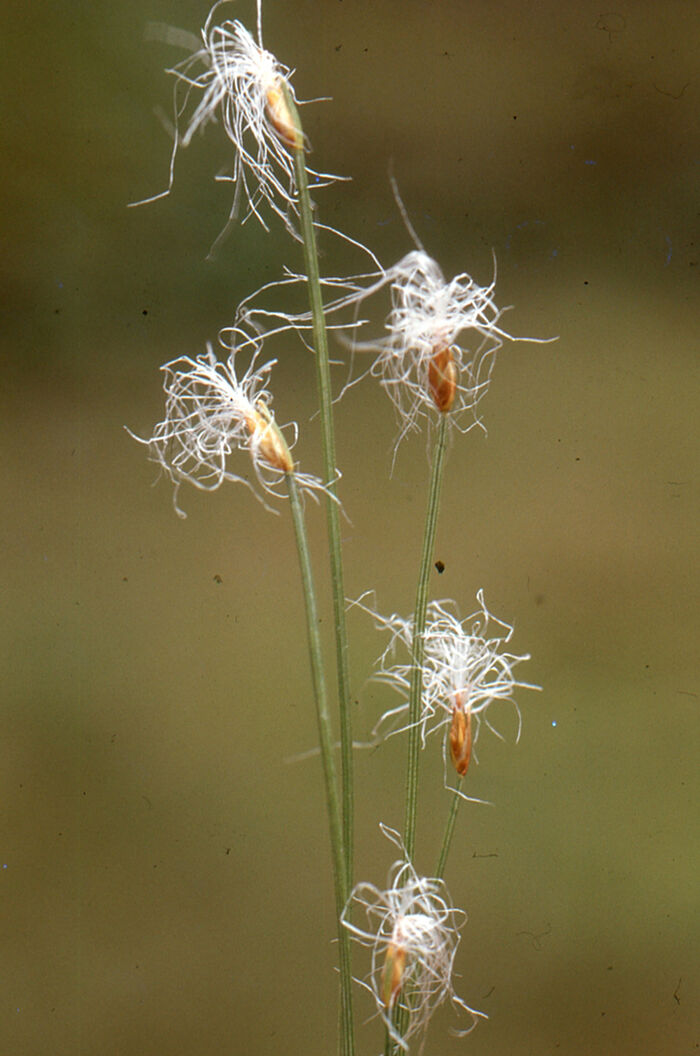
x=165, y=875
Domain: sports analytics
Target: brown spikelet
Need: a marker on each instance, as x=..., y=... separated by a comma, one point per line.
x=442, y=378
x=280, y=117
x=461, y=738
x=269, y=441
x=394, y=964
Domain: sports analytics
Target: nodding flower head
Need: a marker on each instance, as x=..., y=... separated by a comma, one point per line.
x=246, y=88
x=441, y=339
x=412, y=931
x=465, y=670
x=209, y=414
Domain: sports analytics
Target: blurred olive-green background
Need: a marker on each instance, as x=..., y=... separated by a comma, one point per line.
x=165, y=874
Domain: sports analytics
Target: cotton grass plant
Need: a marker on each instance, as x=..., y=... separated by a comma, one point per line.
x=434, y=359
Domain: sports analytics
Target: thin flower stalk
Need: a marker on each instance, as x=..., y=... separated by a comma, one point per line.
x=320, y=343
x=412, y=932
x=449, y=828
x=418, y=643
x=330, y=778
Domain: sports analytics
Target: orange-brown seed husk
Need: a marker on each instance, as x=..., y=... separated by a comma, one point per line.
x=280, y=117
x=442, y=378
x=269, y=441
x=461, y=738
x=394, y=965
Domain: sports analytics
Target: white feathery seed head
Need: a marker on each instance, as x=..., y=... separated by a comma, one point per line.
x=412, y=932
x=210, y=414
x=440, y=341
x=466, y=668
x=436, y=354
x=245, y=87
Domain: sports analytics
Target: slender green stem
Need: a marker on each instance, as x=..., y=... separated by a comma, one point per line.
x=308, y=235
x=449, y=830
x=326, y=742
x=418, y=648
x=416, y=690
